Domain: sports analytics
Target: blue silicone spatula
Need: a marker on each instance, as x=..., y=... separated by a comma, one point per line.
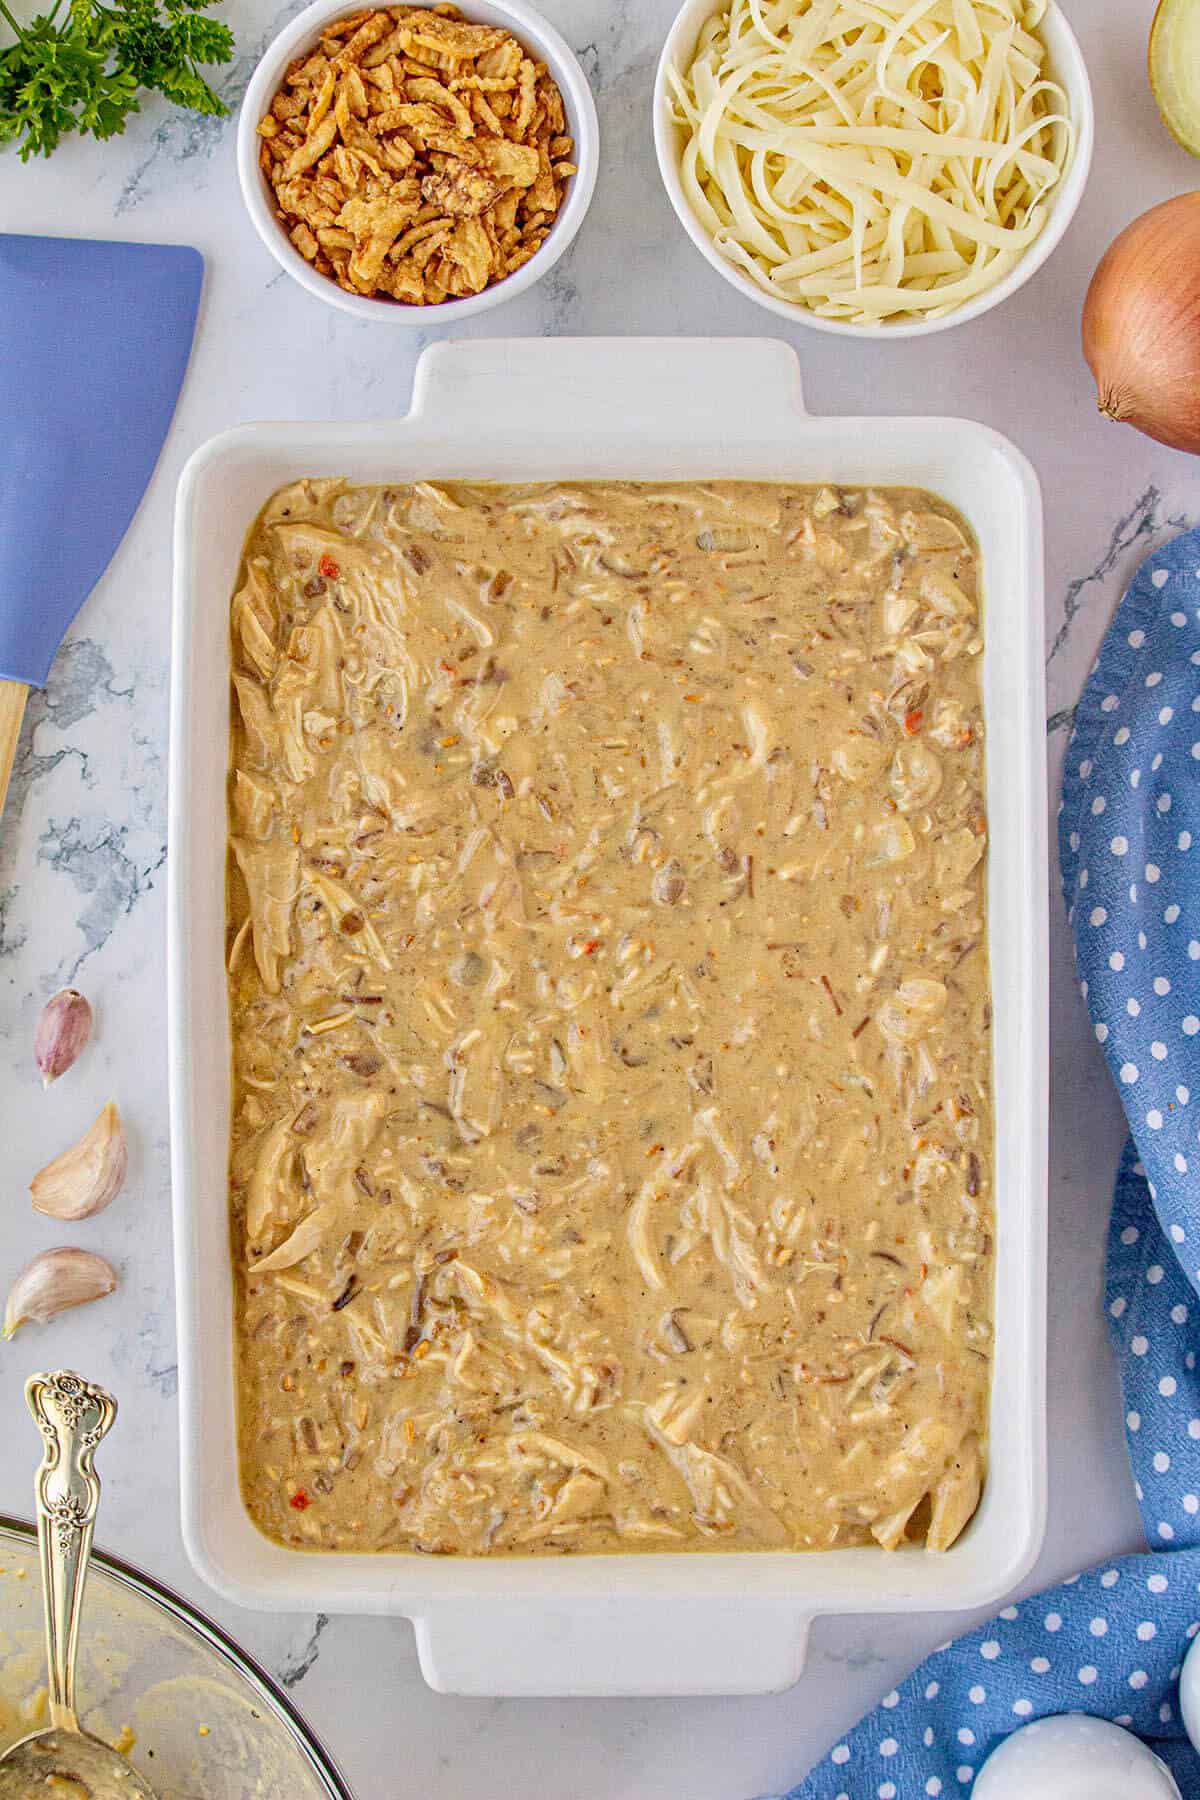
x=94, y=342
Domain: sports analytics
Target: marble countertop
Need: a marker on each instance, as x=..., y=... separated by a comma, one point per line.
x=83, y=847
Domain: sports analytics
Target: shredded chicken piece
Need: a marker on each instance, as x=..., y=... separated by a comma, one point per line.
x=611, y=1159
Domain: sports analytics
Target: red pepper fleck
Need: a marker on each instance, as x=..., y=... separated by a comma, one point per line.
x=591, y=947
x=300, y=1500
x=912, y=721
x=329, y=569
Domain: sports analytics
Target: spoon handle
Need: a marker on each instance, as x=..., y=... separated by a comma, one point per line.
x=73, y=1415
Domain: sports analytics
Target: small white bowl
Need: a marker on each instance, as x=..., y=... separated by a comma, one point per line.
x=537, y=35
x=1066, y=64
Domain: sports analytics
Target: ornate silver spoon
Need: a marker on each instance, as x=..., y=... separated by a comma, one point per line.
x=63, y=1759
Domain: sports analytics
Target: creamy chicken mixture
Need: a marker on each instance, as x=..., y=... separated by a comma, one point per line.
x=612, y=1144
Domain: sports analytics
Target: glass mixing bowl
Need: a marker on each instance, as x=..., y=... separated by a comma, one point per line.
x=160, y=1682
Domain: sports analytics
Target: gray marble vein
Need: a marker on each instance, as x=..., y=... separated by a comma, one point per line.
x=150, y=1351
x=81, y=679
x=1143, y=521
x=13, y=938
x=29, y=769
x=99, y=866
x=292, y=1672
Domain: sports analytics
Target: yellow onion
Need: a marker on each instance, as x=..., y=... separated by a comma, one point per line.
x=1141, y=324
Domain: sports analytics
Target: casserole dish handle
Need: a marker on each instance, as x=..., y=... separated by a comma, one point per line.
x=465, y=387
x=612, y=1644
x=619, y=1645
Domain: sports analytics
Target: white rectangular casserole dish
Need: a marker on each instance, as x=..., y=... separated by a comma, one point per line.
x=591, y=409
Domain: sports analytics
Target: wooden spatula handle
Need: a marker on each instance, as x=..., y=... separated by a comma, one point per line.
x=13, y=695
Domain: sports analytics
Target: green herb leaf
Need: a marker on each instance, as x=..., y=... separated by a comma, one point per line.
x=84, y=72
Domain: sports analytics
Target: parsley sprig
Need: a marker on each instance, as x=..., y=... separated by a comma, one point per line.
x=83, y=68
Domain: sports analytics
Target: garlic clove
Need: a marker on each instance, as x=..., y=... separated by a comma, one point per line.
x=62, y=1032
x=87, y=1177
x=54, y=1281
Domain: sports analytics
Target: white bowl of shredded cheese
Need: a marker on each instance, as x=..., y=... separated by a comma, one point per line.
x=889, y=173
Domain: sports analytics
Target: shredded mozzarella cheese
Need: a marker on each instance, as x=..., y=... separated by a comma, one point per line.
x=872, y=159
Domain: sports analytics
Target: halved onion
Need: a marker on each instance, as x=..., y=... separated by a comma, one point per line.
x=1174, y=59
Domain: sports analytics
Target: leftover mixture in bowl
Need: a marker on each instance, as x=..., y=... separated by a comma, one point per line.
x=612, y=1160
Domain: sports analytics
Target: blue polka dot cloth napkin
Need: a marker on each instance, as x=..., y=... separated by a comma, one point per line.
x=1110, y=1641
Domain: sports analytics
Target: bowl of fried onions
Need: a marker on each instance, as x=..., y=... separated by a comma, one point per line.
x=889, y=170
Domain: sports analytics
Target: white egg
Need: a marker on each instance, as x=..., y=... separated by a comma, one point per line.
x=1189, y=1693
x=1073, y=1757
